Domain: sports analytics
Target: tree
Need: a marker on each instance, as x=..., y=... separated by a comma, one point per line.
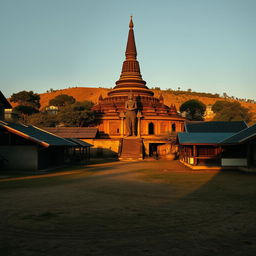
x=24, y=111
x=231, y=111
x=219, y=105
x=77, y=114
x=26, y=98
x=42, y=120
x=62, y=100
x=194, y=108
x=225, y=95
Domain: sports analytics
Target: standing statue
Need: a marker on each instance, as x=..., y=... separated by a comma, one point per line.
x=130, y=115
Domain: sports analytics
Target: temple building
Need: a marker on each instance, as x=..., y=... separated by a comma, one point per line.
x=154, y=120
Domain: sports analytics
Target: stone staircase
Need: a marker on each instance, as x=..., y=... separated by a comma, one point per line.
x=131, y=149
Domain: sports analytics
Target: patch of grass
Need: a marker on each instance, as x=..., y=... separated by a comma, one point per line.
x=141, y=208
x=45, y=180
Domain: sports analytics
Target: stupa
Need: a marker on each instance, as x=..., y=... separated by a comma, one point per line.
x=155, y=120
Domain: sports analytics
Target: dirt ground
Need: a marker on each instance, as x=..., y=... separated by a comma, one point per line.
x=129, y=208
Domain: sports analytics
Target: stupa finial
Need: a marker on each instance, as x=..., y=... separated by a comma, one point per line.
x=131, y=23
x=131, y=52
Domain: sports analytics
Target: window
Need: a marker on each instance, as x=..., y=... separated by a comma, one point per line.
x=173, y=127
x=151, y=128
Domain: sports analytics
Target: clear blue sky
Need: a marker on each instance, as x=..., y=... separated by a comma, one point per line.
x=205, y=45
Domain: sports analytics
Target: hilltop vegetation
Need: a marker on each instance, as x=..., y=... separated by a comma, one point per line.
x=176, y=97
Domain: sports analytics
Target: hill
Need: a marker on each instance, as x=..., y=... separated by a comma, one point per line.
x=170, y=97
x=79, y=93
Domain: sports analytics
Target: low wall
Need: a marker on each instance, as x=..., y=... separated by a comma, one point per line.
x=19, y=157
x=108, y=148
x=103, y=148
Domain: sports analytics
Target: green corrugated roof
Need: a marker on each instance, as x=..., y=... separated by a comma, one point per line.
x=241, y=136
x=36, y=134
x=73, y=132
x=202, y=138
x=80, y=142
x=215, y=126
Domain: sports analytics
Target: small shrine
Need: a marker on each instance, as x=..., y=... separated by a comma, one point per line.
x=131, y=111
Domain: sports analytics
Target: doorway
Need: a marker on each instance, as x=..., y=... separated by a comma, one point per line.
x=153, y=148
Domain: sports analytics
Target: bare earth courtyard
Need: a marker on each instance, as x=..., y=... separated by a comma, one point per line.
x=129, y=208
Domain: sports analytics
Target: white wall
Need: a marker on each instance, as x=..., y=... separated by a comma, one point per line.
x=233, y=162
x=20, y=157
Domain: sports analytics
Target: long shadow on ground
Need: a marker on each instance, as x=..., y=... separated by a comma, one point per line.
x=139, y=208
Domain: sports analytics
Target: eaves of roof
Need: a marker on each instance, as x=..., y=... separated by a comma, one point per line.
x=241, y=137
x=36, y=135
x=215, y=126
x=186, y=138
x=24, y=135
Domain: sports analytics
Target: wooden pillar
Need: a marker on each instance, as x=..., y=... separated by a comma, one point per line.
x=194, y=154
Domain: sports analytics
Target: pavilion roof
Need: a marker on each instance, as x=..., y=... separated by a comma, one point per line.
x=215, y=126
x=242, y=136
x=35, y=134
x=73, y=132
x=207, y=138
x=80, y=143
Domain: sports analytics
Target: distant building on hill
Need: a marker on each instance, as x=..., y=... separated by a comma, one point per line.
x=52, y=110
